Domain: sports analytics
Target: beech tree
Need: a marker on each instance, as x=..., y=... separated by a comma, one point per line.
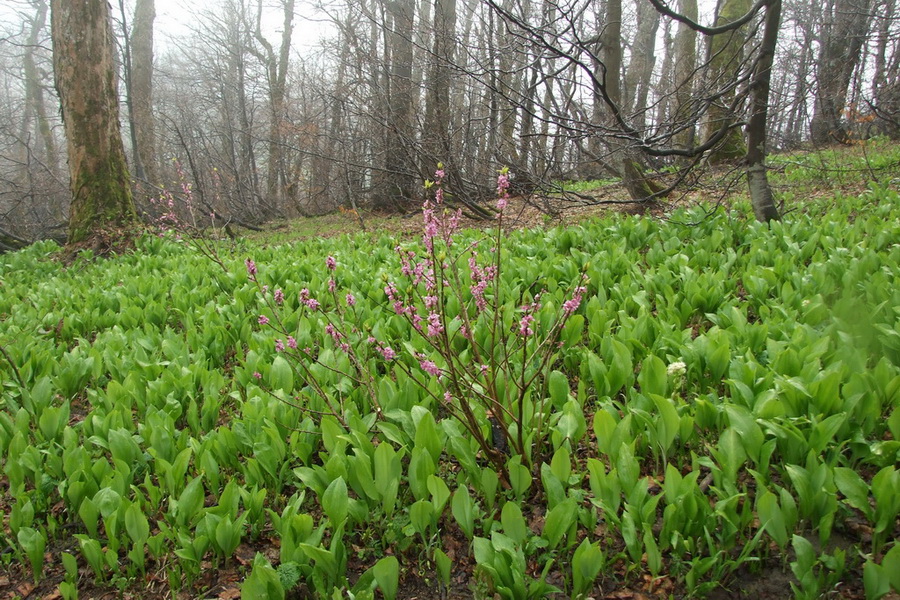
x=102, y=201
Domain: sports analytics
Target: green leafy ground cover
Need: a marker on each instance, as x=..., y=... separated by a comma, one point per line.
x=721, y=408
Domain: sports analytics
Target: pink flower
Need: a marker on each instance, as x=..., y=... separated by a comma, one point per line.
x=251, y=267
x=263, y=320
x=571, y=305
x=310, y=303
x=257, y=375
x=525, y=329
x=331, y=285
x=292, y=343
x=330, y=330
x=351, y=300
x=279, y=345
x=435, y=327
x=388, y=353
x=279, y=296
x=448, y=397
x=502, y=190
x=331, y=263
x=429, y=367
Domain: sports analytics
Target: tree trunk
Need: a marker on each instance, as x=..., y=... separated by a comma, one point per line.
x=34, y=93
x=727, y=54
x=397, y=177
x=643, y=59
x=838, y=58
x=436, y=136
x=86, y=81
x=760, y=191
x=276, y=66
x=142, y=90
x=685, y=67
x=626, y=159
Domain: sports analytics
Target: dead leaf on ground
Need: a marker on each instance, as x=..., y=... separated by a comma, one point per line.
x=230, y=594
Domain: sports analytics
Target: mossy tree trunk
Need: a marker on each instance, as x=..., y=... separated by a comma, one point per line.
x=726, y=58
x=685, y=67
x=83, y=65
x=625, y=159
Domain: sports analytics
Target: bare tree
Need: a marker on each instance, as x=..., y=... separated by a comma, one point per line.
x=843, y=38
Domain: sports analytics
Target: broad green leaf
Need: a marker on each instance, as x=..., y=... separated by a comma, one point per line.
x=281, y=375
x=463, y=508
x=513, y=522
x=653, y=377
x=443, y=563
x=263, y=582
x=891, y=564
x=558, y=387
x=440, y=493
x=387, y=574
x=421, y=515
x=876, y=581
x=519, y=476
x=558, y=521
x=771, y=517
x=854, y=489
x=33, y=543
x=586, y=564
x=136, y=524
x=335, y=501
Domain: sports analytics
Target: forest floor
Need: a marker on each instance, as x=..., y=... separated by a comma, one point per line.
x=796, y=177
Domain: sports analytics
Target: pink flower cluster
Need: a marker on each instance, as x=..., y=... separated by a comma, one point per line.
x=428, y=366
x=527, y=319
x=572, y=304
x=434, y=222
x=481, y=278
x=502, y=190
x=307, y=301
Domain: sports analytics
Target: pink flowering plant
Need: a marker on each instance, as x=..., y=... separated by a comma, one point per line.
x=179, y=214
x=481, y=348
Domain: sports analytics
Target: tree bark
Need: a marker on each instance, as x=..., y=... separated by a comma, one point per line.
x=276, y=66
x=86, y=82
x=34, y=93
x=436, y=135
x=727, y=54
x=685, y=70
x=142, y=90
x=643, y=59
x=838, y=59
x=626, y=159
x=760, y=191
x=397, y=177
